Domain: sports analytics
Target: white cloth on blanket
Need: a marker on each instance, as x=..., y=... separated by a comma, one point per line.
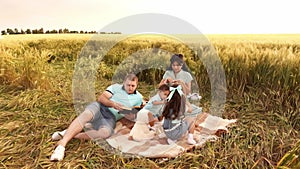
x=215, y=123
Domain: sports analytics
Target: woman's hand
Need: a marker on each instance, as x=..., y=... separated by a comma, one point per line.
x=184, y=86
x=177, y=82
x=169, y=80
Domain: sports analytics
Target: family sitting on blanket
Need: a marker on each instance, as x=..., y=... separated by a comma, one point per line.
x=175, y=124
x=106, y=111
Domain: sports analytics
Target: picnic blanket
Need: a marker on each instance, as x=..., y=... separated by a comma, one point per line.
x=210, y=128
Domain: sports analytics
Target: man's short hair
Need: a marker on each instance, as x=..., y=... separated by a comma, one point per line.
x=131, y=77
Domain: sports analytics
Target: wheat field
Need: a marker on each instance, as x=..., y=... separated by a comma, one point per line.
x=37, y=73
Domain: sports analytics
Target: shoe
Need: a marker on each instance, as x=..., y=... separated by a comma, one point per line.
x=191, y=141
x=88, y=126
x=170, y=142
x=58, y=153
x=58, y=135
x=194, y=96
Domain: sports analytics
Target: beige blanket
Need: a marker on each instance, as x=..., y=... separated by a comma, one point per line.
x=210, y=128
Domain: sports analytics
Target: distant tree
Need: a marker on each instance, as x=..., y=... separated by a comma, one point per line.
x=66, y=30
x=10, y=31
x=73, y=31
x=41, y=31
x=3, y=32
x=16, y=31
x=34, y=31
x=28, y=31
x=53, y=31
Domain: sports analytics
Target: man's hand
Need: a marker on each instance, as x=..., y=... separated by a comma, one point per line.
x=117, y=106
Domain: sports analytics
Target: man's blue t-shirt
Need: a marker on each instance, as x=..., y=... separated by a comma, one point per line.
x=120, y=95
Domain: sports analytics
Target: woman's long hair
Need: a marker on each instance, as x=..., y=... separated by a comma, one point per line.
x=175, y=107
x=179, y=59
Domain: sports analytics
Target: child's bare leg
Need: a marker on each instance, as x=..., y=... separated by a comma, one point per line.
x=189, y=107
x=191, y=123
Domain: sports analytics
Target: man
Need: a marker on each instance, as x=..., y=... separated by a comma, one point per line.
x=102, y=114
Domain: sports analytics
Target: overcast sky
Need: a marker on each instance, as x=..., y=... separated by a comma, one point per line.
x=208, y=16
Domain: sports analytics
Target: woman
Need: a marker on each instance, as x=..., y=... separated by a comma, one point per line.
x=177, y=72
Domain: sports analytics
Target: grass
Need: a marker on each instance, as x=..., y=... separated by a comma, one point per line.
x=262, y=77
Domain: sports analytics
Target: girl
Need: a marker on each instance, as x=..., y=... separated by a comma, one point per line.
x=175, y=124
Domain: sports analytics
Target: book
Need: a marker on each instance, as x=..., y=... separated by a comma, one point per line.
x=128, y=110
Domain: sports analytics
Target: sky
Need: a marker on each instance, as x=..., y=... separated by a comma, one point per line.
x=208, y=16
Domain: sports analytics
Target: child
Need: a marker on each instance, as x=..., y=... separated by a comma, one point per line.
x=148, y=115
x=175, y=124
x=156, y=103
x=172, y=82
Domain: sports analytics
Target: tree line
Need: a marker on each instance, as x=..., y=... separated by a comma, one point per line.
x=14, y=31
